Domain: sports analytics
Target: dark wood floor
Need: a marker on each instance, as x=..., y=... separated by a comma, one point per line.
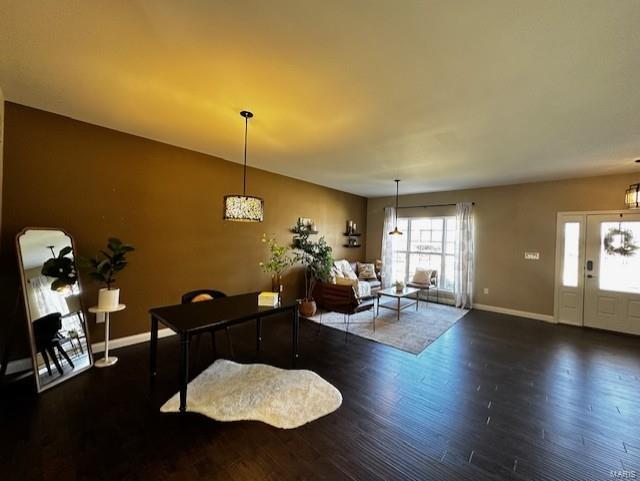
x=496, y=397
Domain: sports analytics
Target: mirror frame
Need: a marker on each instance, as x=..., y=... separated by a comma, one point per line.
x=23, y=285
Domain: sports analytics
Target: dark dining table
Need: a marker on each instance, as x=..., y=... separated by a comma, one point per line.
x=187, y=320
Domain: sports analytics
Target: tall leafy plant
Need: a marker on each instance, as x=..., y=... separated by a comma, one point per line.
x=315, y=256
x=280, y=257
x=107, y=263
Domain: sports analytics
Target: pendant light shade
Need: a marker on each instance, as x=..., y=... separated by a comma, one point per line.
x=632, y=196
x=395, y=231
x=244, y=208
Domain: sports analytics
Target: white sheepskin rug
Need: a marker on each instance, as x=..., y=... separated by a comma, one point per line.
x=228, y=391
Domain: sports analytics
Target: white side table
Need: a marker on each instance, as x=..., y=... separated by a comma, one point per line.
x=106, y=360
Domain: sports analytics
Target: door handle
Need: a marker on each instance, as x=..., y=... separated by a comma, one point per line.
x=589, y=265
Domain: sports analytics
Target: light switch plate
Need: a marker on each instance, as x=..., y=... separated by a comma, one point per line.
x=99, y=317
x=532, y=256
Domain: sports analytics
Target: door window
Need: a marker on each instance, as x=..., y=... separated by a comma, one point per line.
x=571, y=258
x=620, y=257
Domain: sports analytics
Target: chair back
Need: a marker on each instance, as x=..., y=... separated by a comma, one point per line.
x=46, y=328
x=189, y=296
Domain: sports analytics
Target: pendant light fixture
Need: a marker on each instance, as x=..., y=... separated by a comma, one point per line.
x=396, y=231
x=244, y=208
x=632, y=194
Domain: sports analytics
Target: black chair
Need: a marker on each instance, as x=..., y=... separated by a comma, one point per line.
x=188, y=298
x=47, y=339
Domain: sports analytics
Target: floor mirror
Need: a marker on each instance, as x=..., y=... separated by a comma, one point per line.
x=56, y=319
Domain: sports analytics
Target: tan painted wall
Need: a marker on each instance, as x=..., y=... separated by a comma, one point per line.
x=509, y=221
x=167, y=201
x=1, y=151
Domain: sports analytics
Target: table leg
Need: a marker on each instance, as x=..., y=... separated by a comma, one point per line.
x=258, y=334
x=153, y=350
x=296, y=327
x=106, y=337
x=398, y=308
x=184, y=370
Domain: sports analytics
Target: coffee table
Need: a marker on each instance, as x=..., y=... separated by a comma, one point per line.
x=402, y=298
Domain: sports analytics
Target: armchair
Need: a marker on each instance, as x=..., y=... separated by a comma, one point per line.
x=342, y=299
x=425, y=280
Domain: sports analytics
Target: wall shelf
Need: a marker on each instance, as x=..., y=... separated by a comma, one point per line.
x=351, y=246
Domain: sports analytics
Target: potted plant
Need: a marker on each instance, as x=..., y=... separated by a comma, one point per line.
x=279, y=260
x=105, y=265
x=317, y=260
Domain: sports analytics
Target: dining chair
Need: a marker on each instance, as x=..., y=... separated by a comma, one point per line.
x=202, y=295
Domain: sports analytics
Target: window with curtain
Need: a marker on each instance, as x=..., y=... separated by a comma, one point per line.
x=427, y=242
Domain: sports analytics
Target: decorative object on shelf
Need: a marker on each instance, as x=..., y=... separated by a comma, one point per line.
x=308, y=224
x=105, y=265
x=395, y=231
x=317, y=260
x=352, y=234
x=619, y=242
x=632, y=196
x=61, y=268
x=244, y=208
x=107, y=360
x=279, y=260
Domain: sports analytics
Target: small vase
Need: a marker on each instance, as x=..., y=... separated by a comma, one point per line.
x=108, y=298
x=276, y=285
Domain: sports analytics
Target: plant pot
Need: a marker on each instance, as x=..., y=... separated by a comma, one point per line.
x=108, y=298
x=307, y=308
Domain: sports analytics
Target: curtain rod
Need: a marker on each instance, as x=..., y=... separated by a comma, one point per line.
x=428, y=205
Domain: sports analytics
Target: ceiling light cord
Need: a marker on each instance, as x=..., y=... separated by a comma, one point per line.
x=244, y=174
x=397, y=191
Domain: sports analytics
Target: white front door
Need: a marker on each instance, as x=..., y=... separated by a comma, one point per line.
x=612, y=272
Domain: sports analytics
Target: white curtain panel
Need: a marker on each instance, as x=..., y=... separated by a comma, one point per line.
x=387, y=246
x=46, y=301
x=463, y=283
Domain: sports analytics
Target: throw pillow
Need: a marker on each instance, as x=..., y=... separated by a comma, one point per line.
x=366, y=272
x=345, y=268
x=344, y=281
x=422, y=275
x=335, y=273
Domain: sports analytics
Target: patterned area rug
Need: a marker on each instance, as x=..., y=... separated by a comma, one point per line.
x=228, y=391
x=412, y=333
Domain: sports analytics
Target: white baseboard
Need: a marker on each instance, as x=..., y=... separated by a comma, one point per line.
x=24, y=364
x=130, y=340
x=514, y=312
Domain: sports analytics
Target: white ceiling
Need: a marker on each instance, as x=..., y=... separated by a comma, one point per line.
x=348, y=94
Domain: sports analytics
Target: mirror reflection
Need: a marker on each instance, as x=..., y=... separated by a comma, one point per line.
x=57, y=322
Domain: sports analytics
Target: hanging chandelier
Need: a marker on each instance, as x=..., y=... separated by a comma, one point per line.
x=244, y=208
x=396, y=231
x=632, y=196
